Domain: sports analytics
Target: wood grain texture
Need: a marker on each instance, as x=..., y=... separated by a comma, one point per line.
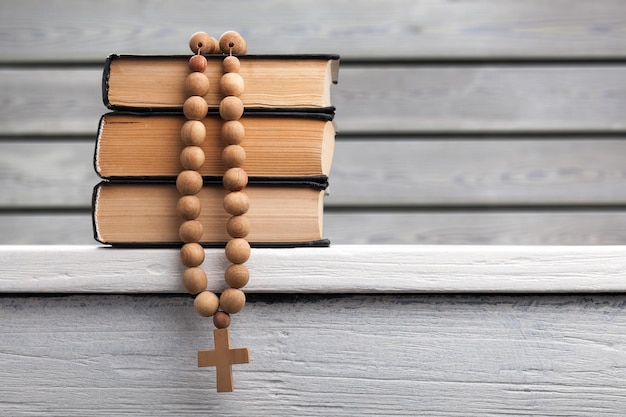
x=391, y=99
x=484, y=227
x=73, y=30
x=497, y=171
x=54, y=173
x=479, y=98
x=406, y=227
x=411, y=172
x=68, y=101
x=348, y=355
x=338, y=269
x=314, y=349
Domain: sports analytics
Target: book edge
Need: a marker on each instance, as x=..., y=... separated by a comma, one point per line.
x=294, y=244
x=311, y=56
x=334, y=60
x=318, y=182
x=327, y=113
x=96, y=154
x=216, y=245
x=95, y=195
x=248, y=111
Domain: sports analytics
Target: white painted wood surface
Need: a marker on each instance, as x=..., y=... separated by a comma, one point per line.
x=463, y=355
x=337, y=269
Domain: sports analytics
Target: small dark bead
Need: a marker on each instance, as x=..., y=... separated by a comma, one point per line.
x=221, y=320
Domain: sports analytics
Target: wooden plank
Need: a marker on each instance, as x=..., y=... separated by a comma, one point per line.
x=51, y=101
x=71, y=30
x=331, y=356
x=46, y=228
x=47, y=174
x=479, y=98
x=482, y=172
x=375, y=172
x=399, y=99
x=405, y=227
x=488, y=227
x=337, y=269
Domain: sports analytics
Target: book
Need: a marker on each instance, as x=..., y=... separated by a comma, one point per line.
x=144, y=214
x=277, y=145
x=153, y=82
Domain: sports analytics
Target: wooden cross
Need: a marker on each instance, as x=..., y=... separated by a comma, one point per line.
x=223, y=357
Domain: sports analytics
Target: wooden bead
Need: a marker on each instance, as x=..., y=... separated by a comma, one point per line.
x=189, y=182
x=221, y=320
x=197, y=63
x=235, y=179
x=196, y=108
x=234, y=156
x=192, y=254
x=231, y=84
x=190, y=231
x=197, y=84
x=236, y=203
x=206, y=303
x=203, y=43
x=237, y=276
x=233, y=42
x=231, y=108
x=231, y=64
x=238, y=226
x=193, y=132
x=188, y=207
x=233, y=132
x=194, y=280
x=237, y=250
x=232, y=300
x=192, y=157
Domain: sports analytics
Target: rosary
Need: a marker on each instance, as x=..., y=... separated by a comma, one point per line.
x=189, y=182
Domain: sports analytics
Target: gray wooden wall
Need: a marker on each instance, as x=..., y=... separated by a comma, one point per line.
x=484, y=121
x=467, y=121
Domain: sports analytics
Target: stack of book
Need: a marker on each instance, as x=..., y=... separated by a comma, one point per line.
x=289, y=144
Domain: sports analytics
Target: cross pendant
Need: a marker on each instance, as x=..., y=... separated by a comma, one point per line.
x=223, y=357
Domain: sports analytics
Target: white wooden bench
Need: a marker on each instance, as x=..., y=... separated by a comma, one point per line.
x=477, y=211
